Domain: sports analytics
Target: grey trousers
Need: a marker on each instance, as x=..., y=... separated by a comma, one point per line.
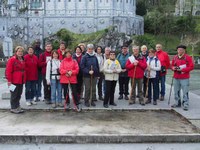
x=87, y=83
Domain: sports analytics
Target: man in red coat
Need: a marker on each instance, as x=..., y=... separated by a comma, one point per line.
x=44, y=58
x=165, y=63
x=182, y=64
x=61, y=50
x=136, y=65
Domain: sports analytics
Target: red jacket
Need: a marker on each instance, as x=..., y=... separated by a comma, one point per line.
x=140, y=68
x=60, y=54
x=42, y=61
x=15, y=71
x=164, y=60
x=187, y=64
x=66, y=65
x=31, y=67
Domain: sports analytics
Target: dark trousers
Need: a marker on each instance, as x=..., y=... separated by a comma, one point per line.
x=74, y=93
x=47, y=89
x=110, y=90
x=79, y=85
x=38, y=85
x=144, y=86
x=16, y=96
x=153, y=82
x=123, y=85
x=30, y=90
x=99, y=84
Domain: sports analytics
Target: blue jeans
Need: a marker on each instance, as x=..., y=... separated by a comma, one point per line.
x=38, y=86
x=162, y=82
x=153, y=81
x=56, y=91
x=30, y=90
x=184, y=85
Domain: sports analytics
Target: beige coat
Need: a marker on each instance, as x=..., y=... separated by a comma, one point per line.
x=109, y=67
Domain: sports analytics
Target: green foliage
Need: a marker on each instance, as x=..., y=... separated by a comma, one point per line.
x=145, y=40
x=65, y=35
x=55, y=44
x=141, y=8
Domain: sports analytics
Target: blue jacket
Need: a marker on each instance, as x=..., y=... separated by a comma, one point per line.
x=86, y=63
x=122, y=60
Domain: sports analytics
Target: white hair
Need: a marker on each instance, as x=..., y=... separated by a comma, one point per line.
x=90, y=46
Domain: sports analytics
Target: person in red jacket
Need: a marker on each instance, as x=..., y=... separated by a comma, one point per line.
x=69, y=70
x=182, y=64
x=31, y=62
x=165, y=63
x=61, y=50
x=136, y=65
x=16, y=77
x=43, y=60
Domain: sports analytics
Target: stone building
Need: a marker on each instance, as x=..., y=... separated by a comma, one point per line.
x=36, y=19
x=184, y=7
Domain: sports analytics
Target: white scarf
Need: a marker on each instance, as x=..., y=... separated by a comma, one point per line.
x=78, y=55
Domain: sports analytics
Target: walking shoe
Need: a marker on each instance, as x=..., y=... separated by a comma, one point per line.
x=95, y=100
x=68, y=106
x=93, y=104
x=15, y=111
x=162, y=98
x=60, y=105
x=126, y=97
x=154, y=102
x=105, y=105
x=53, y=105
x=113, y=104
x=142, y=103
x=185, y=108
x=20, y=110
x=28, y=103
x=33, y=102
x=78, y=108
x=131, y=102
x=176, y=106
x=47, y=102
x=148, y=101
x=101, y=98
x=87, y=104
x=120, y=97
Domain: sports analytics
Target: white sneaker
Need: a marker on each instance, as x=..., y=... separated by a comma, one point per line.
x=33, y=102
x=28, y=103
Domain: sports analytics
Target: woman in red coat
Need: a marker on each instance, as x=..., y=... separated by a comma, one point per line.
x=31, y=62
x=16, y=77
x=69, y=70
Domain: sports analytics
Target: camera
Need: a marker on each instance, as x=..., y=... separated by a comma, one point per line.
x=163, y=69
x=177, y=68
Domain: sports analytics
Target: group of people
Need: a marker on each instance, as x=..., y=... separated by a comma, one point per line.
x=88, y=69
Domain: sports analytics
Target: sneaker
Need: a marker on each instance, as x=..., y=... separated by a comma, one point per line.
x=162, y=98
x=154, y=102
x=93, y=104
x=87, y=104
x=142, y=103
x=20, y=110
x=105, y=105
x=15, y=111
x=185, y=108
x=101, y=98
x=120, y=97
x=53, y=105
x=78, y=108
x=68, y=106
x=28, y=103
x=126, y=97
x=60, y=105
x=34, y=102
x=148, y=101
x=47, y=102
x=176, y=106
x=113, y=104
